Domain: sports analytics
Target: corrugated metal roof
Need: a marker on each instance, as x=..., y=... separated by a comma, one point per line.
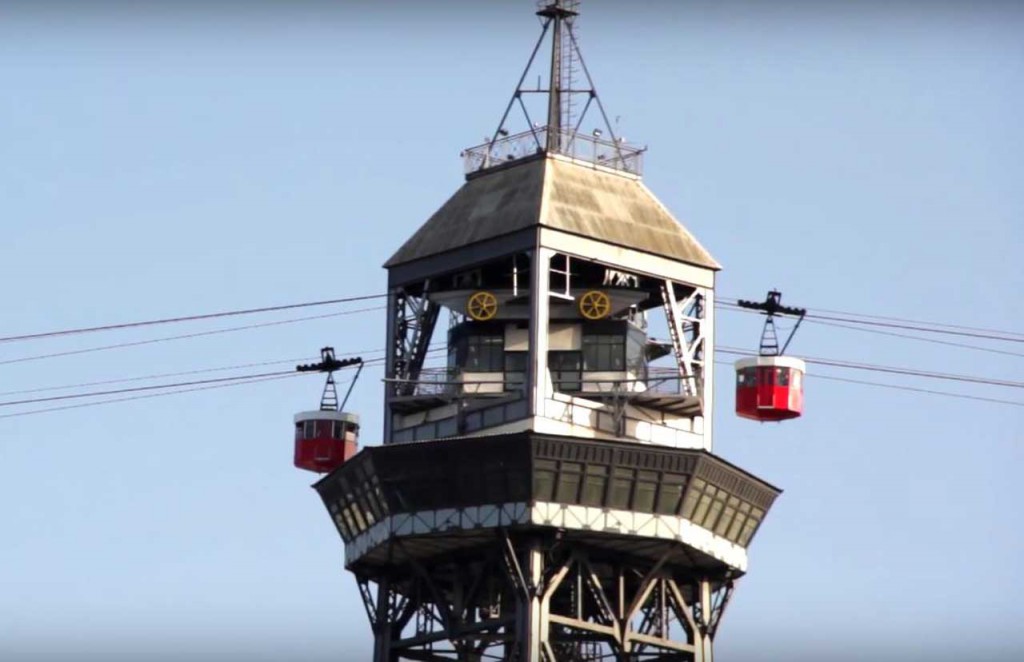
x=560, y=195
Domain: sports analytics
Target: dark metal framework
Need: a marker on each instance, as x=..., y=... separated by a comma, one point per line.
x=525, y=597
x=412, y=319
x=561, y=132
x=472, y=588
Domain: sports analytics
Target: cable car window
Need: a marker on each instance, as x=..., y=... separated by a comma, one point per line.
x=782, y=376
x=309, y=429
x=764, y=376
x=746, y=377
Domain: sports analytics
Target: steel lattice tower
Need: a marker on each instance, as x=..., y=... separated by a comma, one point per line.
x=550, y=494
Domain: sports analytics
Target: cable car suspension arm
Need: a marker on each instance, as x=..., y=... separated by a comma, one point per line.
x=329, y=363
x=771, y=307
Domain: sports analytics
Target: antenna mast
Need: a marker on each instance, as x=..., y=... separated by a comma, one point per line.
x=560, y=14
x=561, y=133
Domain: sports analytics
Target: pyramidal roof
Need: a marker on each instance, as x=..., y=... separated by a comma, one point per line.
x=552, y=192
x=555, y=193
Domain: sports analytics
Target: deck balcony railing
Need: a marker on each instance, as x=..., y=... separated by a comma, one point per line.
x=616, y=155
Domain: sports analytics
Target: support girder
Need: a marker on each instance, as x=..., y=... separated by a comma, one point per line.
x=534, y=598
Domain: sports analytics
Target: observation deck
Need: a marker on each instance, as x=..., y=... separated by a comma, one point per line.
x=588, y=149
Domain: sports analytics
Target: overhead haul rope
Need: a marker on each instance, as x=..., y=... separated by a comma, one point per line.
x=148, y=395
x=721, y=301
x=135, y=389
x=187, y=335
x=378, y=362
x=902, y=387
x=188, y=318
x=198, y=385
x=143, y=378
x=935, y=341
x=724, y=349
x=871, y=367
x=156, y=387
x=912, y=325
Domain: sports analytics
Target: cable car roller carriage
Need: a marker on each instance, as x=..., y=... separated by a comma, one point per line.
x=328, y=437
x=770, y=386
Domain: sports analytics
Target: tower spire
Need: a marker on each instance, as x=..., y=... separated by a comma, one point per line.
x=560, y=14
x=561, y=133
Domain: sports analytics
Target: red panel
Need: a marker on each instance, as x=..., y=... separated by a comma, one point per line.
x=323, y=455
x=322, y=452
x=767, y=401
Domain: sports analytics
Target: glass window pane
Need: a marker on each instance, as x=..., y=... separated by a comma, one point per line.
x=692, y=495
x=593, y=486
x=622, y=484
x=749, y=527
x=544, y=481
x=604, y=352
x=670, y=493
x=713, y=512
x=339, y=522
x=485, y=353
x=643, y=500
x=568, y=487
x=703, y=504
x=734, y=529
x=725, y=520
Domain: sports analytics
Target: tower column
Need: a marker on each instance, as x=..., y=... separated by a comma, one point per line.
x=383, y=623
x=707, y=369
x=702, y=637
x=540, y=288
x=533, y=625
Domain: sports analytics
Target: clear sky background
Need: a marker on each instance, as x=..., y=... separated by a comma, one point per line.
x=171, y=158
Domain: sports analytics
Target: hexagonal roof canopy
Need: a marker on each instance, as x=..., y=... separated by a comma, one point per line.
x=554, y=192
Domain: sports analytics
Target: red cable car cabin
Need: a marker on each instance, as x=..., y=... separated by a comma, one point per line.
x=324, y=440
x=770, y=388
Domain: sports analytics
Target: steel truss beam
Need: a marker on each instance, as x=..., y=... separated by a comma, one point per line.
x=412, y=326
x=525, y=597
x=685, y=325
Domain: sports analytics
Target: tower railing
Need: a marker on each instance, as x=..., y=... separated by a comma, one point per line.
x=616, y=155
x=453, y=382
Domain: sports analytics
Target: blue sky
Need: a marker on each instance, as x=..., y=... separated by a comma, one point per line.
x=176, y=158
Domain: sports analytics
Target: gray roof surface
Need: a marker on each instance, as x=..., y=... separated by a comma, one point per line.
x=560, y=195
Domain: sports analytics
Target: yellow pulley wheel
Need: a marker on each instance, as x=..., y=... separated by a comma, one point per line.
x=482, y=306
x=595, y=305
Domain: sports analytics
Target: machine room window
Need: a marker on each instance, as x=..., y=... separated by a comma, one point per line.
x=604, y=352
x=485, y=353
